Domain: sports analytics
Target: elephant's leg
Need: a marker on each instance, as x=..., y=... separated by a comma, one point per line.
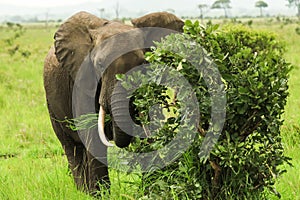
x=97, y=161
x=77, y=159
x=98, y=174
x=76, y=154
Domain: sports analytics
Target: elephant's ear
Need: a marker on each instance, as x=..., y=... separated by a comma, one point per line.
x=73, y=40
x=159, y=19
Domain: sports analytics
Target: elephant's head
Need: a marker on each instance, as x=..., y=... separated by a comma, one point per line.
x=110, y=48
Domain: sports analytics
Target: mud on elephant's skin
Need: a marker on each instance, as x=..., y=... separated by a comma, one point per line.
x=79, y=42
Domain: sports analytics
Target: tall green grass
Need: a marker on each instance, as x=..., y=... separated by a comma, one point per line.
x=32, y=164
x=289, y=184
x=25, y=125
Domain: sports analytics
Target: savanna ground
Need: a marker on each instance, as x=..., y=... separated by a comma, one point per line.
x=32, y=164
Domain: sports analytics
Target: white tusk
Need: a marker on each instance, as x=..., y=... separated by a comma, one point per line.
x=101, y=120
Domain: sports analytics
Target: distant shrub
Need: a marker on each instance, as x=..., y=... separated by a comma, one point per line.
x=12, y=47
x=248, y=156
x=249, y=23
x=287, y=21
x=278, y=19
x=18, y=32
x=297, y=30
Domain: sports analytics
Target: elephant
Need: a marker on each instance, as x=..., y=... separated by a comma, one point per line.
x=86, y=40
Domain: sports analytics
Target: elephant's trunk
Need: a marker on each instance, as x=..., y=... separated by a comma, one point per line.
x=122, y=123
x=101, y=120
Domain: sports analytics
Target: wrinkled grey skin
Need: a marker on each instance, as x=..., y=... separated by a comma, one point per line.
x=79, y=42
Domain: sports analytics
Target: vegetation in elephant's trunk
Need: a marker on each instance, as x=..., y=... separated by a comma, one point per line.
x=84, y=121
x=248, y=157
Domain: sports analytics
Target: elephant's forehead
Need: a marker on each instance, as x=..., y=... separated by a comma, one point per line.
x=109, y=30
x=116, y=42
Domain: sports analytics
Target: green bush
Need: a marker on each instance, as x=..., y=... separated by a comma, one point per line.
x=248, y=155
